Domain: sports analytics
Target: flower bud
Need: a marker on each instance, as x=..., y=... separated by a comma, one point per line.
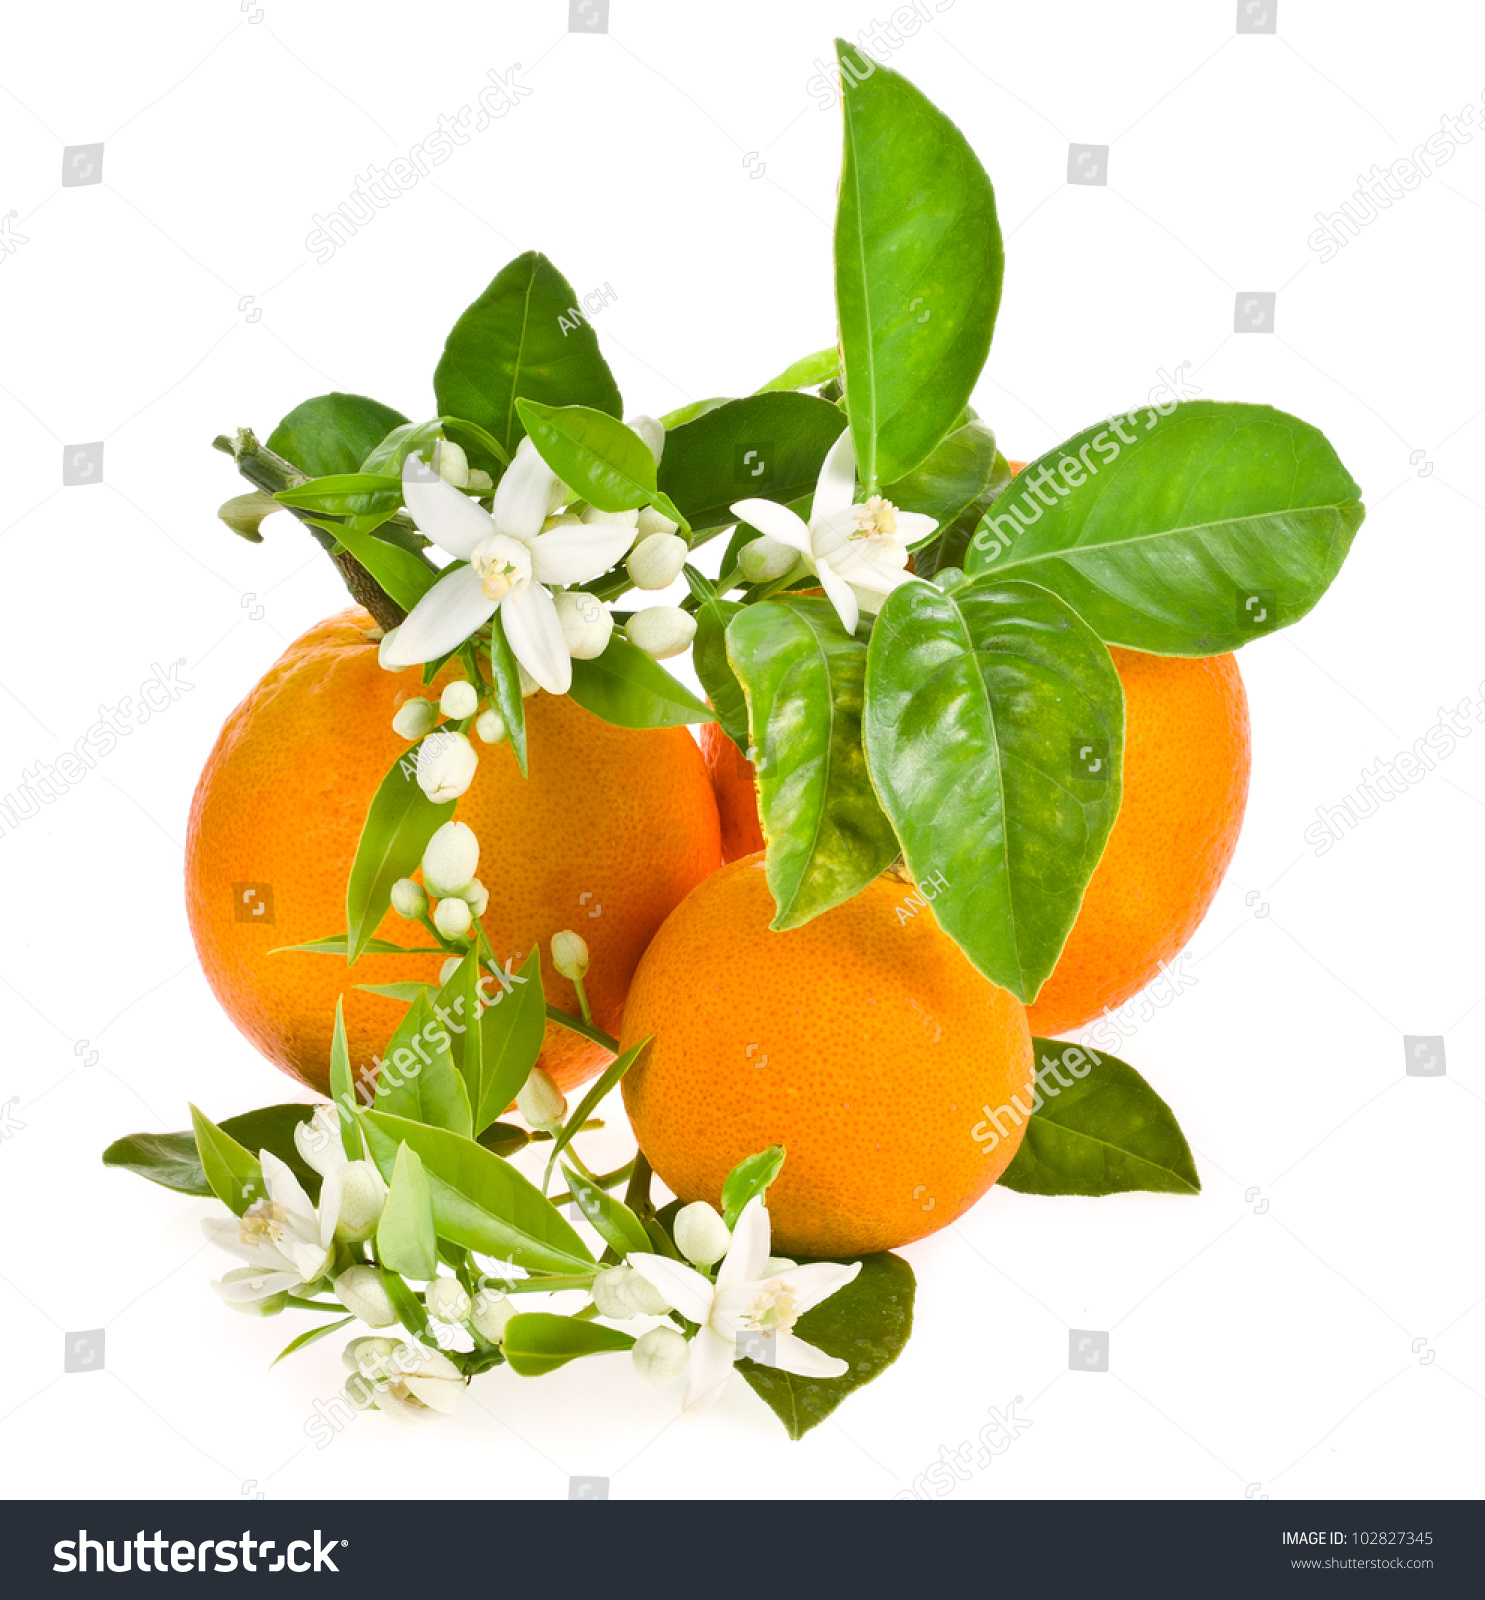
x=489, y=1315
x=763, y=559
x=621, y=519
x=561, y=519
x=570, y=955
x=361, y=1291
x=661, y=631
x=453, y=917
x=660, y=1355
x=243, y=1289
x=459, y=699
x=367, y=1356
x=480, y=483
x=700, y=1234
x=558, y=496
x=450, y=463
x=649, y=429
x=383, y=647
x=415, y=718
x=529, y=685
x=586, y=623
x=491, y=727
x=451, y=858
x=409, y=899
x=363, y=1194
x=621, y=1293
x=777, y=1264
x=446, y=766
x=652, y=522
x=446, y=1300
x=476, y=895
x=656, y=562
x=318, y=1141
x=448, y=969
x=540, y=1100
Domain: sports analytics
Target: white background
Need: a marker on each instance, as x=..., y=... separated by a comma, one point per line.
x=1262, y=1336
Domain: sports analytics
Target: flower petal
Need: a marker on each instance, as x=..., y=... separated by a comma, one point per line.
x=870, y=564
x=284, y=1187
x=838, y=592
x=318, y=1140
x=521, y=496
x=792, y=1354
x=579, y=551
x=749, y=1248
x=835, y=532
x=226, y=1233
x=817, y=1281
x=534, y=632
x=246, y=1285
x=443, y=619
x=683, y=1286
x=707, y=1371
x=450, y=519
x=777, y=521
x=837, y=486
x=330, y=1199
x=913, y=526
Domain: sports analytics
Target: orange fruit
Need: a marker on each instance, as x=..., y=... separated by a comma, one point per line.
x=731, y=775
x=1186, y=763
x=863, y=1042
x=607, y=835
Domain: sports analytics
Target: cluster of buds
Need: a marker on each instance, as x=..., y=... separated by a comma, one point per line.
x=450, y=862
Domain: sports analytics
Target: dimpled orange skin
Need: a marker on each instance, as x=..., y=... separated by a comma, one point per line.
x=1186, y=762
x=865, y=1044
x=737, y=801
x=607, y=835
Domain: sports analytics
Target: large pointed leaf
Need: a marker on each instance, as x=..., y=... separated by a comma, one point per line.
x=418, y=1079
x=958, y=471
x=343, y=1094
x=402, y=573
x=809, y=372
x=710, y=663
x=610, y=1219
x=918, y=264
x=511, y=343
x=512, y=1024
x=826, y=834
x=994, y=728
x=626, y=687
x=173, y=1160
x=232, y=1170
x=1185, y=533
x=332, y=433
x=608, y=1080
x=605, y=461
x=406, y=1238
x=538, y=1342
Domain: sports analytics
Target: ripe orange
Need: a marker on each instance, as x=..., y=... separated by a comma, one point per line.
x=607, y=835
x=862, y=1042
x=731, y=774
x=1186, y=762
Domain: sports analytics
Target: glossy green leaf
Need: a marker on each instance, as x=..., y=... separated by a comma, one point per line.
x=332, y=433
x=827, y=836
x=748, y=1179
x=336, y=944
x=345, y=494
x=628, y=688
x=950, y=545
x=418, y=1079
x=538, y=1342
x=406, y=1240
x=709, y=659
x=504, y=1138
x=866, y=1324
x=232, y=1171
x=401, y=821
x=1184, y=534
x=994, y=729
x=310, y=1336
x=404, y=575
x=602, y=459
x=511, y=1027
x=505, y=679
x=611, y=1219
x=343, y=1088
x=405, y=992
x=918, y=264
x=511, y=343
x=690, y=412
x=768, y=446
x=609, y=1079
x=481, y=1201
x=405, y=1303
x=416, y=438
x=1096, y=1127
x=809, y=372
x=951, y=479
x=173, y=1161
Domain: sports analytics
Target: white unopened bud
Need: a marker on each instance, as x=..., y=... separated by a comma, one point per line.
x=415, y=718
x=649, y=429
x=700, y=1234
x=656, y=562
x=446, y=1300
x=661, y=1355
x=775, y=1265
x=383, y=647
x=450, y=463
x=586, y=623
x=459, y=699
x=361, y=1291
x=453, y=917
x=661, y=631
x=477, y=896
x=540, y=1100
x=561, y=519
x=409, y=899
x=557, y=496
x=363, y=1195
x=570, y=954
x=491, y=727
x=448, y=969
x=368, y=1356
x=529, y=685
x=763, y=559
x=480, y=483
x=489, y=1315
x=621, y=1293
x=446, y=766
x=451, y=858
x=620, y=519
x=652, y=522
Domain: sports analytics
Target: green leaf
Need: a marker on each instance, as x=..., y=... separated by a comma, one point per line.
x=1202, y=529
x=994, y=730
x=510, y=343
x=918, y=264
x=866, y=1324
x=332, y=433
x=504, y=1138
x=689, y=413
x=406, y=992
x=505, y=677
x=709, y=659
x=174, y=1162
x=336, y=944
x=310, y=1336
x=609, y=1078
x=951, y=479
x=405, y=1303
x=604, y=460
x=612, y=1220
x=950, y=545
x=1100, y=1129
x=234, y=1173
x=345, y=494
x=406, y=1240
x=626, y=687
x=481, y=1201
x=809, y=372
x=418, y=1079
x=804, y=676
x=538, y=1342
x=402, y=573
x=343, y=1089
x=769, y=446
x=401, y=821
x=749, y=1178
x=512, y=1024
x=414, y=438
